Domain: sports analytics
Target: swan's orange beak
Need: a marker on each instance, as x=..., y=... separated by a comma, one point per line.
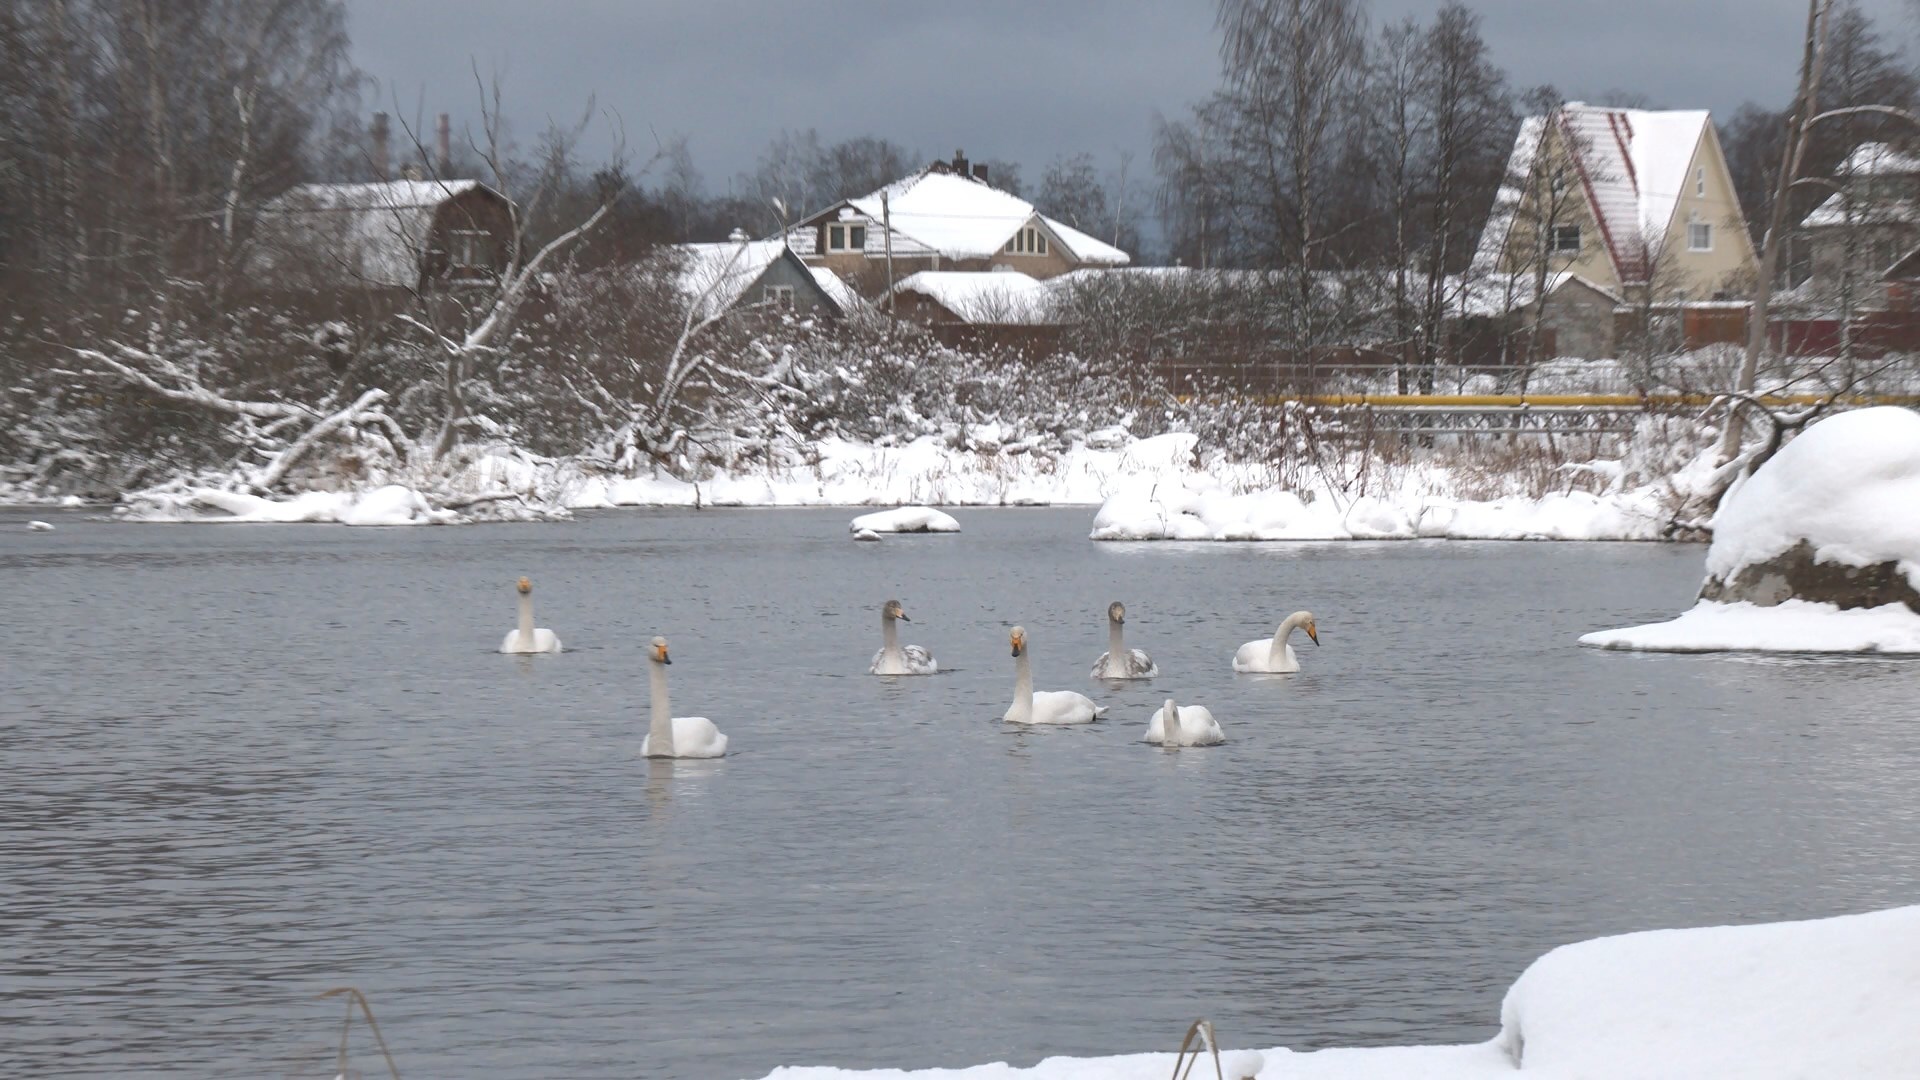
x=1019, y=643
x=664, y=658
x=525, y=586
x=1312, y=633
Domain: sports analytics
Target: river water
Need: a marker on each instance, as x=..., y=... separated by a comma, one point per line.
x=245, y=765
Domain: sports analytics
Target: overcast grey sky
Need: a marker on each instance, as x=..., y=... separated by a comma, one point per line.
x=1022, y=80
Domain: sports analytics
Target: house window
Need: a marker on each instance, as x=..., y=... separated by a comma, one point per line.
x=1699, y=235
x=1566, y=240
x=1700, y=181
x=1028, y=241
x=780, y=296
x=843, y=237
x=468, y=249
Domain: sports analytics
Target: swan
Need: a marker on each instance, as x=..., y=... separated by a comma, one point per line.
x=1276, y=656
x=675, y=736
x=1046, y=706
x=1184, y=725
x=894, y=658
x=1120, y=662
x=524, y=638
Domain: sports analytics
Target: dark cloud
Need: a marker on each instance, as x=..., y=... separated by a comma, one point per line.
x=1022, y=80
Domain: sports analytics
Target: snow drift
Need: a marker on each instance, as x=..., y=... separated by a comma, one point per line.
x=1775, y=1001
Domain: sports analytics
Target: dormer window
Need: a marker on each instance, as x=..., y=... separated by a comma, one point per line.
x=842, y=236
x=468, y=249
x=1566, y=240
x=1028, y=241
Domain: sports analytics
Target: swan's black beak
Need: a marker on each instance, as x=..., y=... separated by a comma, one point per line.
x=665, y=659
x=903, y=617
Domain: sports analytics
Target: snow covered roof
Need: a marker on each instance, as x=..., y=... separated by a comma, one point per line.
x=1633, y=165
x=1878, y=159
x=964, y=218
x=1500, y=294
x=977, y=296
x=717, y=275
x=369, y=232
x=843, y=295
x=1864, y=212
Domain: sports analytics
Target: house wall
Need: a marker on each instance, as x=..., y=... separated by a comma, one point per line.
x=909, y=256
x=808, y=297
x=480, y=210
x=1706, y=275
x=1582, y=322
x=1536, y=207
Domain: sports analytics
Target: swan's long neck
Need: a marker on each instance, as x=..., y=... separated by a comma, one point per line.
x=660, y=731
x=1170, y=723
x=1280, y=636
x=1023, y=685
x=526, y=620
x=1116, y=647
x=890, y=636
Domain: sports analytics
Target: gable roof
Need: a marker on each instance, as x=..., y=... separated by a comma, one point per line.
x=962, y=217
x=1632, y=164
x=717, y=275
x=368, y=232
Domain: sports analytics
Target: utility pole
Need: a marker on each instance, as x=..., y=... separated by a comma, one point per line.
x=886, y=226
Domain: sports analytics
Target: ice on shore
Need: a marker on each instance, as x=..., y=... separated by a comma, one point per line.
x=1790, y=626
x=1773, y=1001
x=391, y=504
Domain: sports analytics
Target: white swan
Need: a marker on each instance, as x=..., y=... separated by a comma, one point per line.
x=1046, y=706
x=524, y=638
x=675, y=736
x=895, y=658
x=1184, y=725
x=1275, y=655
x=1120, y=662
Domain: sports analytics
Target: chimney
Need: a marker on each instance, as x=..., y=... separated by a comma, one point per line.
x=980, y=173
x=379, y=151
x=443, y=144
x=960, y=164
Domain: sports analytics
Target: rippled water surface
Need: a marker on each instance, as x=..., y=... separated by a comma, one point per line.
x=245, y=765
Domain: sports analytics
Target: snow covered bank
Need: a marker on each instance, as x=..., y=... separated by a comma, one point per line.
x=1790, y=626
x=1160, y=488
x=387, y=505
x=1827, y=998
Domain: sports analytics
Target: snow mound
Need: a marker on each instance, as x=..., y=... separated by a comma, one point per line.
x=906, y=519
x=1849, y=486
x=39, y=526
x=388, y=505
x=867, y=535
x=1790, y=626
x=1773, y=1001
x=1173, y=510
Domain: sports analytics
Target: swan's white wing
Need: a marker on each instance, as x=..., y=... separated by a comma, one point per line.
x=1199, y=727
x=693, y=737
x=879, y=658
x=1252, y=656
x=1156, y=728
x=1063, y=707
x=1140, y=665
x=544, y=640
x=920, y=661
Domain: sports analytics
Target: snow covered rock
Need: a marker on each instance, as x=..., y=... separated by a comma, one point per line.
x=1818, y=551
x=907, y=519
x=39, y=526
x=867, y=535
x=1774, y=1001
x=1833, y=518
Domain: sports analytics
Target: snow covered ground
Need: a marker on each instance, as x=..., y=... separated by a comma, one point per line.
x=1791, y=626
x=1158, y=488
x=1822, y=998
